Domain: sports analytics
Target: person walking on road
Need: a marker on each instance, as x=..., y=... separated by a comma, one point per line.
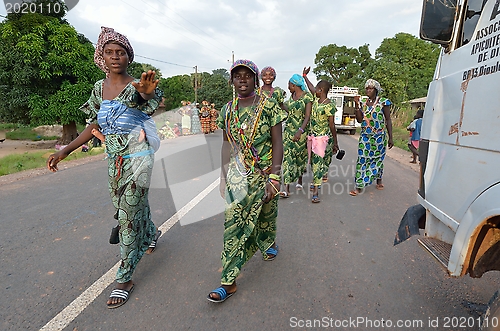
x=322, y=141
x=251, y=155
x=294, y=138
x=374, y=114
x=119, y=107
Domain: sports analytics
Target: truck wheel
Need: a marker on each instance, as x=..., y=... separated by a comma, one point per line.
x=491, y=318
x=353, y=131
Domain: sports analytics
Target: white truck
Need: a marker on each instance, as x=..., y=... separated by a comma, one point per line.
x=459, y=194
x=345, y=117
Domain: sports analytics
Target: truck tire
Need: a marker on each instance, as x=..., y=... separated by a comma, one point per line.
x=353, y=131
x=491, y=318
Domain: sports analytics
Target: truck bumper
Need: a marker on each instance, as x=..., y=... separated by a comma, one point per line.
x=413, y=220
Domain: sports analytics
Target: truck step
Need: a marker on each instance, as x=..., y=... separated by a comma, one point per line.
x=439, y=249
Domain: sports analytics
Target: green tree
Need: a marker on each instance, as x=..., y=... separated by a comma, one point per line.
x=341, y=65
x=46, y=71
x=413, y=59
x=135, y=69
x=392, y=76
x=215, y=88
x=176, y=89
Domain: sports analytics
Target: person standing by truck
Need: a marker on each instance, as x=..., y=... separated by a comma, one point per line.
x=415, y=128
x=374, y=114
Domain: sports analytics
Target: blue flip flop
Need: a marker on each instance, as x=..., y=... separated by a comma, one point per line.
x=272, y=251
x=223, y=295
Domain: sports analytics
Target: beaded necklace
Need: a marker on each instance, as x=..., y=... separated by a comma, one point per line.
x=242, y=141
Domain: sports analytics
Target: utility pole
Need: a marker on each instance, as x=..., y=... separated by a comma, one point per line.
x=231, y=77
x=195, y=86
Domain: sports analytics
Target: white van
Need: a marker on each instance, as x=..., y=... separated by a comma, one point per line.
x=345, y=116
x=459, y=194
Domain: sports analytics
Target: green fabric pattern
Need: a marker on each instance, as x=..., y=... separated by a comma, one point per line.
x=320, y=126
x=128, y=180
x=278, y=94
x=295, y=153
x=249, y=225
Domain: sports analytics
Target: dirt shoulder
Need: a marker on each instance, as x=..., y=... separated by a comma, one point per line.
x=9, y=147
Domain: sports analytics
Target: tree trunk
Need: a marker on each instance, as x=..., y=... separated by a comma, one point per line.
x=69, y=133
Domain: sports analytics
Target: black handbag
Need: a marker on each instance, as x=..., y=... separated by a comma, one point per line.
x=114, y=238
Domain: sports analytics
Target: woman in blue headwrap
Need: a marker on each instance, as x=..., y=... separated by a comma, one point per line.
x=374, y=114
x=294, y=136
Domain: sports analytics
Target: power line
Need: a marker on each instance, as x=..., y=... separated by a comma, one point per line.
x=174, y=64
x=162, y=23
x=199, y=29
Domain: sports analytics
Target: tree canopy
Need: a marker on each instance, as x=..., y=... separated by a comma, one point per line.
x=404, y=66
x=342, y=66
x=135, y=69
x=46, y=71
x=211, y=87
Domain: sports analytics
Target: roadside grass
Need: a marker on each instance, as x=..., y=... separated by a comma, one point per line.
x=401, y=118
x=25, y=132
x=32, y=160
x=22, y=132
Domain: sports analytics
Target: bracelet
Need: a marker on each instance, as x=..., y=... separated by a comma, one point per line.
x=301, y=130
x=274, y=187
x=275, y=177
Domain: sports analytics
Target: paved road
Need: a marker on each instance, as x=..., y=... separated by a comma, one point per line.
x=336, y=263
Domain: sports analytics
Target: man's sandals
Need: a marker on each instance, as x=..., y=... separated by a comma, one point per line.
x=152, y=246
x=119, y=294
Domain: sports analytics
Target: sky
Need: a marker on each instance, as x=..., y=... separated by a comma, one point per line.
x=177, y=35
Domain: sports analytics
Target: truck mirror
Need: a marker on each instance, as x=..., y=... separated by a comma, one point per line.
x=438, y=19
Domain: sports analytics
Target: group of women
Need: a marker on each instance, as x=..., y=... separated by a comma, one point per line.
x=267, y=141
x=258, y=153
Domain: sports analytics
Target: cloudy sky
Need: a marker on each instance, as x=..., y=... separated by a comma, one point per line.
x=176, y=35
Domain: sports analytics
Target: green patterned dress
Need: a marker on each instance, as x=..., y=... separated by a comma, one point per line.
x=249, y=225
x=277, y=94
x=130, y=163
x=372, y=143
x=319, y=126
x=295, y=153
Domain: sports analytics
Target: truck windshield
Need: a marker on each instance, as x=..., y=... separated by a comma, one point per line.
x=437, y=20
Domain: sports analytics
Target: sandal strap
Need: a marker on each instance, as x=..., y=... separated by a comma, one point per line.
x=272, y=251
x=154, y=241
x=221, y=292
x=120, y=294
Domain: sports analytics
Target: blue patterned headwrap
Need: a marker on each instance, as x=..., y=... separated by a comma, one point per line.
x=250, y=65
x=298, y=80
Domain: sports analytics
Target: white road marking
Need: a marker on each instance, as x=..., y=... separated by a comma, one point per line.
x=68, y=314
